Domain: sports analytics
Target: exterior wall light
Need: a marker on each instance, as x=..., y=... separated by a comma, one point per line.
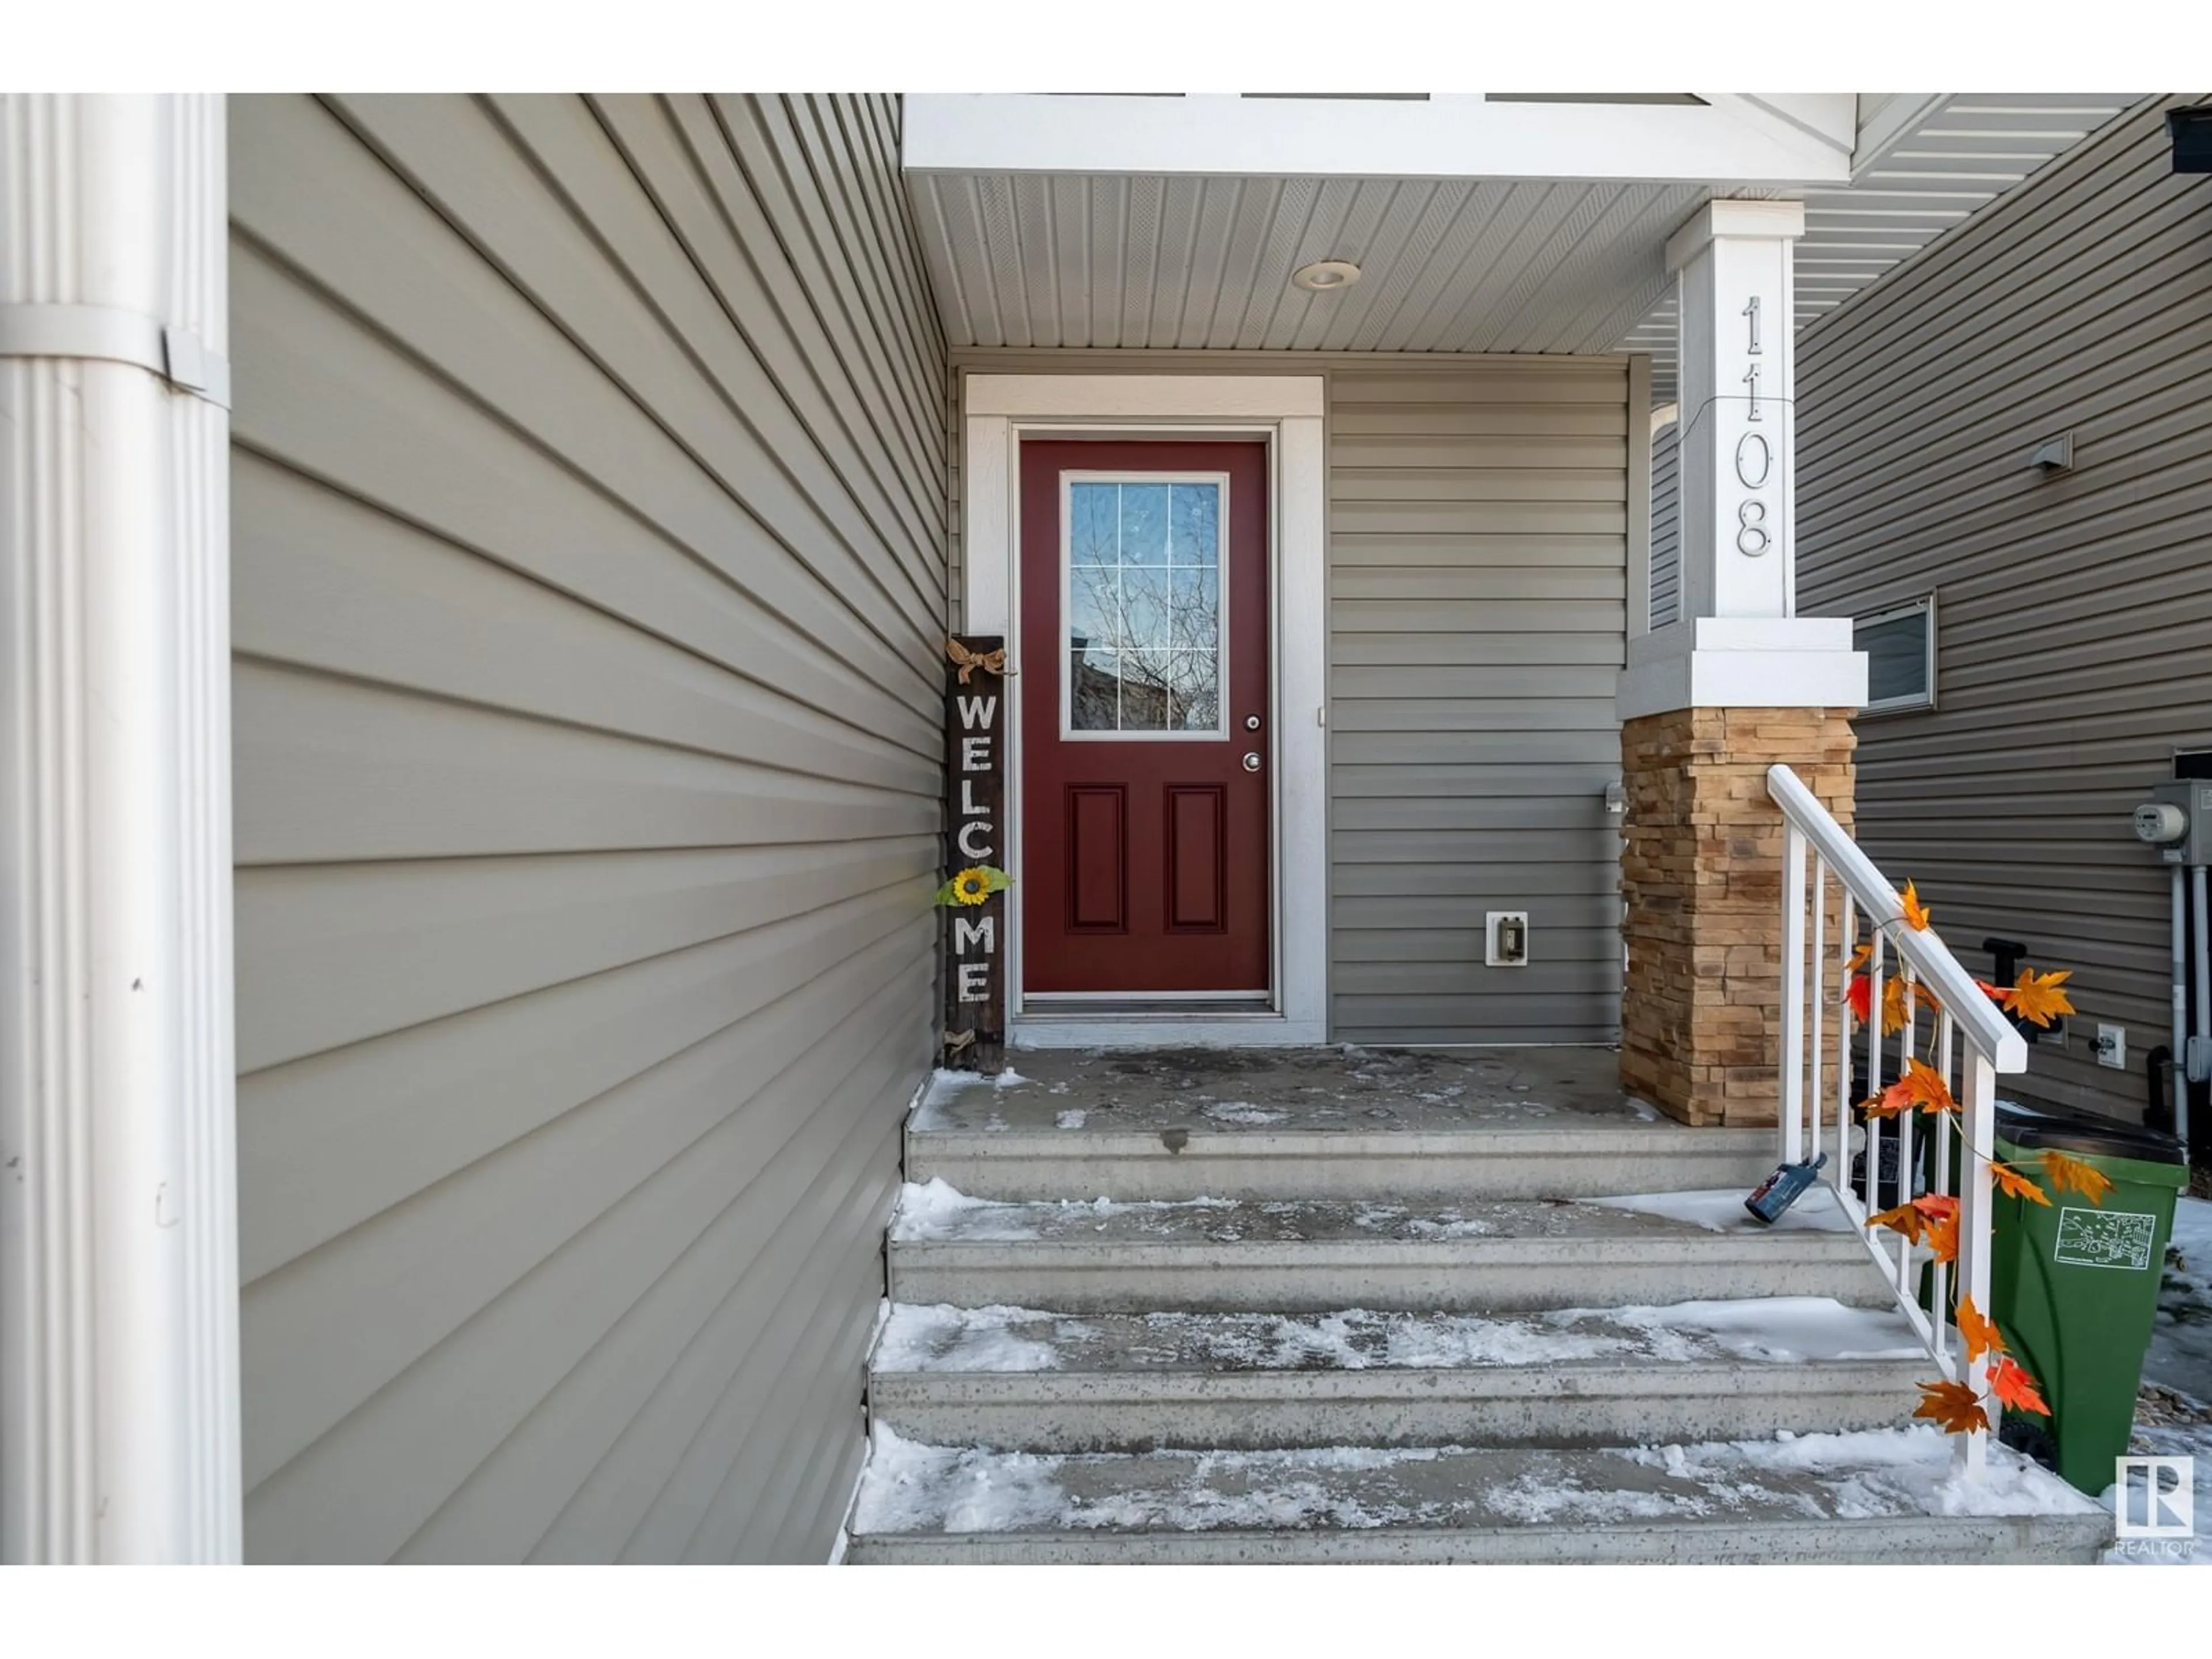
x=1325, y=275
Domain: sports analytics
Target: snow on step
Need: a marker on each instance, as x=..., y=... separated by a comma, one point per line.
x=1877, y=1495
x=1025, y=1379
x=1774, y=1330
x=1295, y=1256
x=937, y=1211
x=1313, y=1124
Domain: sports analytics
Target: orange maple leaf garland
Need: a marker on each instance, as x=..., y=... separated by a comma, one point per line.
x=1922, y=1086
x=1916, y=912
x=2013, y=1183
x=2015, y=1389
x=1933, y=1219
x=1906, y=1219
x=2036, y=997
x=1858, y=996
x=2070, y=1175
x=1954, y=1405
x=1943, y=1234
x=1980, y=1335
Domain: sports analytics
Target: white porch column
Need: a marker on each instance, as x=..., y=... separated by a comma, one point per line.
x=1740, y=641
x=1707, y=703
x=118, y=1275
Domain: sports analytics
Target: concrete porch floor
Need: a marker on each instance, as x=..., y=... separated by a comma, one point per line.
x=1338, y=1122
x=1337, y=1088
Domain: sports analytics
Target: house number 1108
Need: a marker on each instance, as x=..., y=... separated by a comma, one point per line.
x=1754, y=458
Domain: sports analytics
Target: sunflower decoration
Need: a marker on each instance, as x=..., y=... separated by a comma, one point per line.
x=973, y=885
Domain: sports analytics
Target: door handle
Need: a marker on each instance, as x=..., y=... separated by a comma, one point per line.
x=1251, y=761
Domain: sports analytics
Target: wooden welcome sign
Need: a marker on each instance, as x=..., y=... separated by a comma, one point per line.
x=973, y=897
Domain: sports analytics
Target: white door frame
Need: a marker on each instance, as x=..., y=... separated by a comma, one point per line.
x=1286, y=411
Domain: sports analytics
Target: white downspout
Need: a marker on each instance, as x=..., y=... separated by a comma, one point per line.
x=2198, y=1064
x=2179, y=1039
x=118, y=1279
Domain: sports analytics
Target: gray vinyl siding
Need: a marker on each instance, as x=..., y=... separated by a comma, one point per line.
x=2075, y=611
x=589, y=522
x=1477, y=549
x=1666, y=525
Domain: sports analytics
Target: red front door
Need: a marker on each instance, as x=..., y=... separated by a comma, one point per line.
x=1144, y=697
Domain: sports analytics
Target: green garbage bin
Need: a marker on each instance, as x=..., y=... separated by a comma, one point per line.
x=2074, y=1286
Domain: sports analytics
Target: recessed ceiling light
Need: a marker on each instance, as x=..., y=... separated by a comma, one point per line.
x=1325, y=275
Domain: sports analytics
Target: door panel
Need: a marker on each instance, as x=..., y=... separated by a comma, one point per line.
x=1097, y=859
x=1198, y=858
x=1144, y=694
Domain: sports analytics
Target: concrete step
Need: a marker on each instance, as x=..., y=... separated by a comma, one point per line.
x=1295, y=1256
x=1884, y=1496
x=1021, y=1379
x=1322, y=1123
x=1198, y=1158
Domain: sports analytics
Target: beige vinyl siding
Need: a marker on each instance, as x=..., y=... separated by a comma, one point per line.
x=1666, y=525
x=589, y=507
x=1477, y=549
x=2074, y=609
x=1478, y=592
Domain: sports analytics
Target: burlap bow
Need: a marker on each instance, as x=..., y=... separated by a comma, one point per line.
x=991, y=662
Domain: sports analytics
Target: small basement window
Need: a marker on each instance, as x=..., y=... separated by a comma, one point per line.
x=1900, y=647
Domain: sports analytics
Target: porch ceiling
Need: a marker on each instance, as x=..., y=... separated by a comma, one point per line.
x=1116, y=260
x=1106, y=260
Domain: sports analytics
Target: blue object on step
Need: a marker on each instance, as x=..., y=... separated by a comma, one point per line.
x=1781, y=1190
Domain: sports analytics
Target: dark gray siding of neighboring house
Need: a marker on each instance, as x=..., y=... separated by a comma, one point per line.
x=1666, y=525
x=589, y=505
x=2074, y=611
x=1478, y=594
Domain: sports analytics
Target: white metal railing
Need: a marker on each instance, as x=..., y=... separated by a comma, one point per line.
x=1973, y=1042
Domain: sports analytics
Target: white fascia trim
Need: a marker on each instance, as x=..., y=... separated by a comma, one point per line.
x=1288, y=410
x=1446, y=136
x=1148, y=397
x=119, y=1436
x=1782, y=220
x=1897, y=120
x=1741, y=662
x=1829, y=120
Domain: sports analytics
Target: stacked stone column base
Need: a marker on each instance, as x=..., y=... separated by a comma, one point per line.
x=1702, y=877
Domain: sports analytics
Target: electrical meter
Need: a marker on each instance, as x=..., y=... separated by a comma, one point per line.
x=2177, y=820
